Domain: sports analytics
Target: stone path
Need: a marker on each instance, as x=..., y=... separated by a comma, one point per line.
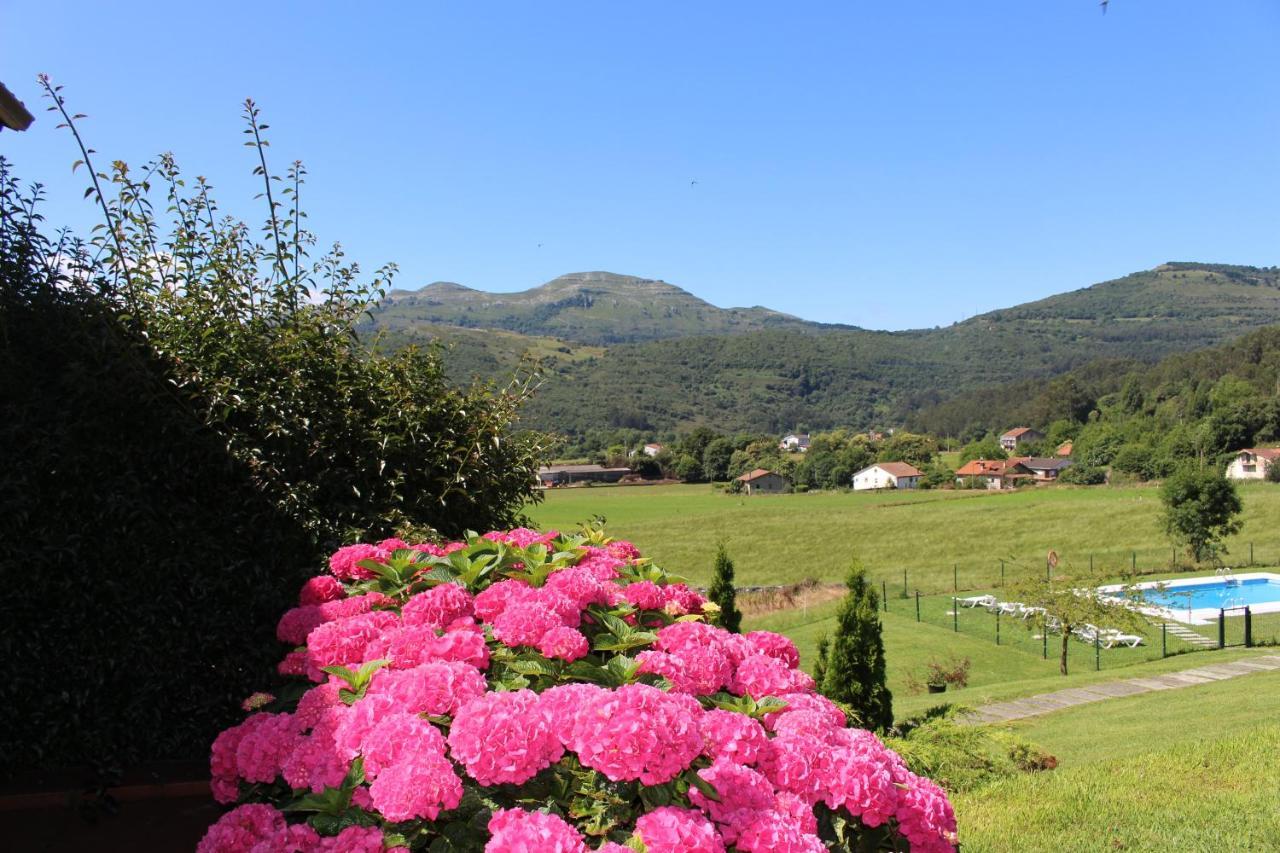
x=1185, y=634
x=1002, y=712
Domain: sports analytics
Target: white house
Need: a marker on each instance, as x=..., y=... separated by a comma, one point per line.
x=887, y=475
x=795, y=441
x=1252, y=464
x=1020, y=435
x=653, y=449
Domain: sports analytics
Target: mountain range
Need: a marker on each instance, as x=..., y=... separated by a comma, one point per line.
x=621, y=351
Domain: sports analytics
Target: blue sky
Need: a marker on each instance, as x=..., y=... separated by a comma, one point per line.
x=889, y=164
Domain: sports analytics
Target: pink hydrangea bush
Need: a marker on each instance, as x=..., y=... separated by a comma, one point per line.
x=525, y=691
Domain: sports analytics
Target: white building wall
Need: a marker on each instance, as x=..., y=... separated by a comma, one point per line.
x=1253, y=469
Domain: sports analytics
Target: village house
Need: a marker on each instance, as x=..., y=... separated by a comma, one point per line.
x=993, y=473
x=1252, y=464
x=763, y=482
x=1020, y=435
x=1043, y=470
x=653, y=449
x=795, y=441
x=565, y=475
x=887, y=475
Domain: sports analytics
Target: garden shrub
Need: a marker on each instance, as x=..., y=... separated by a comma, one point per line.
x=963, y=757
x=190, y=420
x=523, y=691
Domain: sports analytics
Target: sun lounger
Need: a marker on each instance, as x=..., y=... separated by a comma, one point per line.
x=1111, y=637
x=1011, y=608
x=978, y=601
x=1028, y=612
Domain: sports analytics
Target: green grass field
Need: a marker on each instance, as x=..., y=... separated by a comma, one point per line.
x=933, y=535
x=1192, y=769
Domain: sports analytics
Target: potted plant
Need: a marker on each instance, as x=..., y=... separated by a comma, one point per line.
x=940, y=673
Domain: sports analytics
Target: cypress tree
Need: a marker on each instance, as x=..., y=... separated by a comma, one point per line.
x=820, y=662
x=722, y=592
x=854, y=671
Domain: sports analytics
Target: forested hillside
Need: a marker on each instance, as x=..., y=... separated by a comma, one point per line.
x=787, y=372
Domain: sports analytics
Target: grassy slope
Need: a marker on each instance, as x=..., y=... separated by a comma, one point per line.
x=784, y=538
x=1192, y=769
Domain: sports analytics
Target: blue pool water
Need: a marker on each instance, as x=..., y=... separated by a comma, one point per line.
x=1224, y=593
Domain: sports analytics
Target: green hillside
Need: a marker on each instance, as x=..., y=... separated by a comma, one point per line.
x=588, y=307
x=788, y=372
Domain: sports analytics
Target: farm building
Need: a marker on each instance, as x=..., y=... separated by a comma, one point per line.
x=564, y=475
x=763, y=482
x=1020, y=435
x=1252, y=464
x=993, y=473
x=795, y=441
x=1043, y=470
x=887, y=475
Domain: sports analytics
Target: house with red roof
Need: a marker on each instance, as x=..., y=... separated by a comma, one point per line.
x=1252, y=464
x=1020, y=435
x=993, y=473
x=887, y=475
x=761, y=481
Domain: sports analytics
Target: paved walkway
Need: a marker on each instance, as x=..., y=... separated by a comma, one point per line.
x=1001, y=712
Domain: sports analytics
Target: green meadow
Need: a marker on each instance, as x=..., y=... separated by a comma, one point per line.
x=935, y=536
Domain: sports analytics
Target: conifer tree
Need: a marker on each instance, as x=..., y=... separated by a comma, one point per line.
x=854, y=672
x=722, y=592
x=820, y=662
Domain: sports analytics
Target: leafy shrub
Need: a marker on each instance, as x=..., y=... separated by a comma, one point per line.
x=1083, y=475
x=519, y=692
x=963, y=757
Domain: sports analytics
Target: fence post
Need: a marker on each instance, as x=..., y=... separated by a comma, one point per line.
x=904, y=583
x=1097, y=653
x=884, y=593
x=1251, y=553
x=917, y=605
x=997, y=627
x=1090, y=564
x=1222, y=628
x=1044, y=636
x=955, y=577
x=1248, y=627
x=1164, y=643
x=1002, y=574
x=1133, y=564
x=955, y=615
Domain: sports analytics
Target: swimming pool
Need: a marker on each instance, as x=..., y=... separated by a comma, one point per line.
x=1197, y=601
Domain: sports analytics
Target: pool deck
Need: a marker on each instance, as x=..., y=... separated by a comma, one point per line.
x=1044, y=703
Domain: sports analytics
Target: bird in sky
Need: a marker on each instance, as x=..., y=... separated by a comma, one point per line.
x=693, y=183
x=1103, y=4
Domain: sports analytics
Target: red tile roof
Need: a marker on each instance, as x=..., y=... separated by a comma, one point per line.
x=1268, y=453
x=754, y=475
x=983, y=468
x=1065, y=448
x=1017, y=431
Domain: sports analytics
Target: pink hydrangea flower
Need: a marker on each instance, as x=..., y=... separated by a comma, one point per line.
x=562, y=704
x=563, y=643
x=524, y=623
x=775, y=646
x=418, y=788
x=343, y=562
x=343, y=642
x=356, y=839
x=320, y=589
x=408, y=647
x=744, y=793
x=519, y=831
x=732, y=736
x=399, y=737
x=579, y=586
x=644, y=595
x=760, y=675
x=668, y=829
x=438, y=606
x=807, y=702
x=492, y=601
x=601, y=564
x=296, y=624
x=699, y=671
x=679, y=600
x=240, y=829
x=925, y=815
x=522, y=537
x=436, y=687
x=637, y=732
x=775, y=832
x=316, y=762
x=292, y=838
x=264, y=748
x=504, y=738
x=294, y=663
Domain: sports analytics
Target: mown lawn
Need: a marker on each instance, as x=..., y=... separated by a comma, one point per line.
x=933, y=535
x=996, y=672
x=1193, y=769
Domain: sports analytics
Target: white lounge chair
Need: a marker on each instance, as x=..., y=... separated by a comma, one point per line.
x=1028, y=612
x=978, y=601
x=1111, y=637
x=1011, y=608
